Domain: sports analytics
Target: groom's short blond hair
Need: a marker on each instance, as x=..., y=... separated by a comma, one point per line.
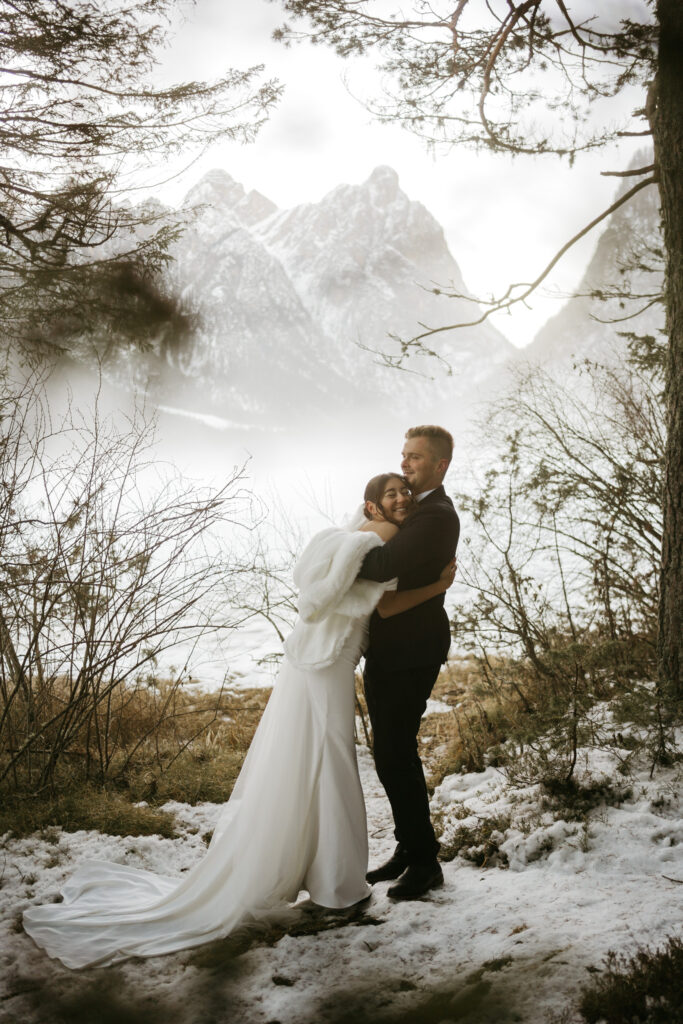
x=440, y=441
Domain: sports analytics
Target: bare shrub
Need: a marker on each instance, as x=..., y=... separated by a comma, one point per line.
x=563, y=561
x=110, y=564
x=641, y=989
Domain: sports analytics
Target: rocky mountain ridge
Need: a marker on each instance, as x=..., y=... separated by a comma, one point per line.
x=619, y=291
x=294, y=307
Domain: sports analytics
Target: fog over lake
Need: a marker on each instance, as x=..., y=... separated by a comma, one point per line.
x=284, y=375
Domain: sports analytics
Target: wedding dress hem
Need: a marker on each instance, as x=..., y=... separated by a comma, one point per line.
x=295, y=820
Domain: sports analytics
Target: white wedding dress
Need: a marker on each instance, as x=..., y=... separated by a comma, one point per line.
x=295, y=821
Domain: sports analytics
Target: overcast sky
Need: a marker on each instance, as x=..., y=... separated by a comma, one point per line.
x=503, y=218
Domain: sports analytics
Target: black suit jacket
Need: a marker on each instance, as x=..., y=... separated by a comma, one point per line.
x=417, y=554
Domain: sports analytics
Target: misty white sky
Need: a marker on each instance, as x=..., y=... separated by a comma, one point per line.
x=503, y=218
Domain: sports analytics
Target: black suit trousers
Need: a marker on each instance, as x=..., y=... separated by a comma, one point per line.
x=396, y=700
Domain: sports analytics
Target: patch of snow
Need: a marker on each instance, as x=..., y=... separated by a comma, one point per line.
x=512, y=944
x=437, y=707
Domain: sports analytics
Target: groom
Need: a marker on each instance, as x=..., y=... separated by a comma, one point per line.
x=404, y=657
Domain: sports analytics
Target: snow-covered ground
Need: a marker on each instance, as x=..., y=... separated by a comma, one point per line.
x=493, y=945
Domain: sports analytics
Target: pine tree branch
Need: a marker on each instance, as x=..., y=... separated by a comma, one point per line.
x=629, y=174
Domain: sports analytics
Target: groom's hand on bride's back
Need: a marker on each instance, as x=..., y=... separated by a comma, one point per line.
x=447, y=574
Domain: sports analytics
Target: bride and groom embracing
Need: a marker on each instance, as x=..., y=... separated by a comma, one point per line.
x=296, y=817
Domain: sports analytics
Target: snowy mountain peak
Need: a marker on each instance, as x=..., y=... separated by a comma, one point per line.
x=362, y=260
x=219, y=193
x=589, y=325
x=216, y=188
x=288, y=301
x=383, y=185
x=254, y=207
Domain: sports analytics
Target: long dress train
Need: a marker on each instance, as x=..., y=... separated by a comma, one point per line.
x=295, y=821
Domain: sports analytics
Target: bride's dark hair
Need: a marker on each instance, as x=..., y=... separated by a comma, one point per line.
x=375, y=489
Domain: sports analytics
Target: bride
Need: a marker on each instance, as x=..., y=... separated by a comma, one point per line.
x=296, y=817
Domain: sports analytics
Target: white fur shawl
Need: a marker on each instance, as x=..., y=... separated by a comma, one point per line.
x=330, y=596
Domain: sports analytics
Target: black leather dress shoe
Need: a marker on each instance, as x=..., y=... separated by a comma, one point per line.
x=416, y=880
x=394, y=867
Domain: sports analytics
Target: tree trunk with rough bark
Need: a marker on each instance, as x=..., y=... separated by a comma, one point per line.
x=668, y=135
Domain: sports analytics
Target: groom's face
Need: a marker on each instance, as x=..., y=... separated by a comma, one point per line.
x=419, y=465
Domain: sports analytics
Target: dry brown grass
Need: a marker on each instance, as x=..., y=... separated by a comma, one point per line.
x=82, y=806
x=164, y=743
x=482, y=718
x=173, y=743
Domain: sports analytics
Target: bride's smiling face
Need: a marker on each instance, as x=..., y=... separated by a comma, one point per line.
x=396, y=502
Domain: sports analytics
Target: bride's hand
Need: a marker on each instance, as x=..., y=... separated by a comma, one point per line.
x=447, y=574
